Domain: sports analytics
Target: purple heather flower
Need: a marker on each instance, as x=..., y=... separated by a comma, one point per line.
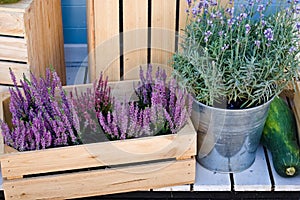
x=248, y=27
x=269, y=34
x=43, y=116
x=257, y=43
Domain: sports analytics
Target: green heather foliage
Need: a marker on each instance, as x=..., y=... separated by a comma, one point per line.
x=244, y=56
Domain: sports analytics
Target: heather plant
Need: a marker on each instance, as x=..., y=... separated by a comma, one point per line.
x=161, y=108
x=84, y=106
x=42, y=116
x=244, y=55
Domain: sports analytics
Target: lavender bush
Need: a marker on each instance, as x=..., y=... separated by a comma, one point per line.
x=42, y=117
x=244, y=56
x=161, y=108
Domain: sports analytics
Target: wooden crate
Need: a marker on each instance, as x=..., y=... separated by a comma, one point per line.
x=126, y=34
x=100, y=168
x=122, y=35
x=31, y=39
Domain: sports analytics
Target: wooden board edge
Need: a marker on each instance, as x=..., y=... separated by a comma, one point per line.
x=103, y=182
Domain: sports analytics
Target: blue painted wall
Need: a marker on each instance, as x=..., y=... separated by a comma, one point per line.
x=74, y=21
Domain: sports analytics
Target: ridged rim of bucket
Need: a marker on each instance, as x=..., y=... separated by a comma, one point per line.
x=234, y=110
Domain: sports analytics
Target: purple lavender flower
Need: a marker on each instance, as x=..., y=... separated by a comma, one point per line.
x=248, y=27
x=260, y=8
x=298, y=26
x=292, y=49
x=230, y=11
x=230, y=22
x=226, y=46
x=263, y=23
x=251, y=3
x=269, y=34
x=243, y=16
x=257, y=43
x=207, y=34
x=189, y=2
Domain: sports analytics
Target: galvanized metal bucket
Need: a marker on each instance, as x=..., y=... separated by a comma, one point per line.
x=228, y=139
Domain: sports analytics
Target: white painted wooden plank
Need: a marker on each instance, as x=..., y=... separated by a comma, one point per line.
x=211, y=181
x=284, y=184
x=185, y=188
x=256, y=177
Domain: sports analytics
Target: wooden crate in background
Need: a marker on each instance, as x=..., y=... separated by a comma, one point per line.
x=31, y=39
x=100, y=168
x=123, y=35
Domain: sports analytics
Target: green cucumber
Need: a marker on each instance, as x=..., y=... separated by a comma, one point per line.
x=280, y=137
x=8, y=1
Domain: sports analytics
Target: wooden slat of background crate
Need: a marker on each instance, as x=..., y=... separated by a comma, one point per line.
x=163, y=31
x=44, y=38
x=106, y=39
x=135, y=36
x=13, y=49
x=20, y=6
x=101, y=182
x=12, y=23
x=18, y=69
x=182, y=22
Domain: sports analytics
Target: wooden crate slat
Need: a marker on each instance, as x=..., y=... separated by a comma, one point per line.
x=135, y=36
x=163, y=31
x=181, y=188
x=107, y=41
x=13, y=49
x=211, y=181
x=255, y=178
x=20, y=6
x=46, y=49
x=102, y=182
x=284, y=184
x=12, y=23
x=182, y=21
x=99, y=154
x=90, y=15
x=18, y=69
